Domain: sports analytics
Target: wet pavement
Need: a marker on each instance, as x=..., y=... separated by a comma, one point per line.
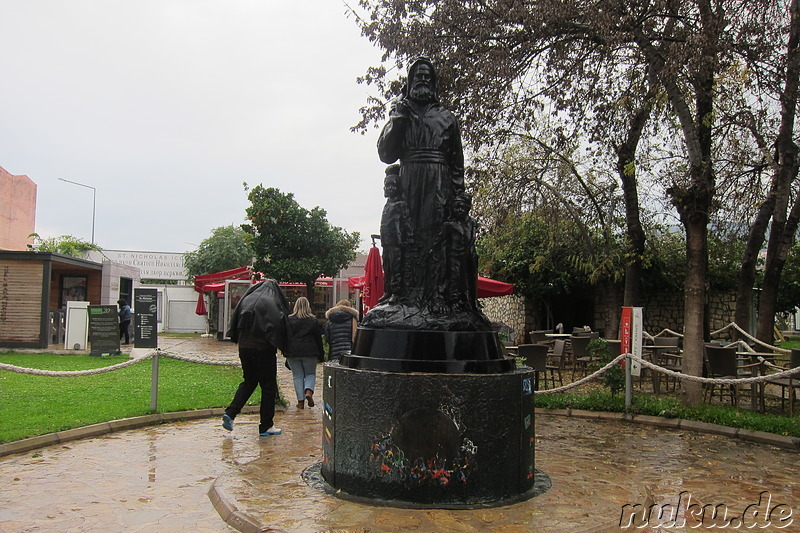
x=159, y=478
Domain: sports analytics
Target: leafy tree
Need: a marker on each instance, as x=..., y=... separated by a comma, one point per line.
x=292, y=243
x=575, y=59
x=789, y=290
x=538, y=255
x=533, y=177
x=64, y=245
x=785, y=213
x=227, y=248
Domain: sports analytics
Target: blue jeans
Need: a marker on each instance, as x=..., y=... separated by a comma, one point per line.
x=304, y=374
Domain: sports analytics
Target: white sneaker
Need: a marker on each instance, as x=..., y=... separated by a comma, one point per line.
x=271, y=431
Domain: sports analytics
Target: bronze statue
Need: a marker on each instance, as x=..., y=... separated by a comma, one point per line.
x=425, y=138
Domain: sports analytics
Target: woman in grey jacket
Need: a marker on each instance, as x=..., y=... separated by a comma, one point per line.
x=341, y=328
x=305, y=350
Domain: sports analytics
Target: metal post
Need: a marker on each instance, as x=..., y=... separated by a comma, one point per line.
x=94, y=200
x=628, y=383
x=154, y=385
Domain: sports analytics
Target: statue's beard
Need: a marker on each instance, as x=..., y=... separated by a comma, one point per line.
x=422, y=92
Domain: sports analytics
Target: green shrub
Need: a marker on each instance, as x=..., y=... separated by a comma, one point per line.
x=645, y=404
x=613, y=378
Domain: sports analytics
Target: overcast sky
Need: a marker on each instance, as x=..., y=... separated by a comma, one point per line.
x=167, y=106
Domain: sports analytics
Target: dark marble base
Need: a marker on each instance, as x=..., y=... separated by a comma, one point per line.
x=450, y=352
x=410, y=316
x=438, y=440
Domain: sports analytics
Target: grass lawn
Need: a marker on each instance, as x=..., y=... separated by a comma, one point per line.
x=34, y=405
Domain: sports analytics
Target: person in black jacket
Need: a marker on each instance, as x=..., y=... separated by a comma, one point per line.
x=260, y=325
x=125, y=315
x=306, y=350
x=341, y=329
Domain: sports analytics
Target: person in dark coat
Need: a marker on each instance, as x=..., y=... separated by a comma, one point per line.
x=306, y=350
x=125, y=315
x=260, y=326
x=341, y=329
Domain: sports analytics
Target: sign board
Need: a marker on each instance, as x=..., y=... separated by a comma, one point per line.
x=103, y=329
x=234, y=290
x=151, y=265
x=630, y=334
x=145, y=312
x=77, y=329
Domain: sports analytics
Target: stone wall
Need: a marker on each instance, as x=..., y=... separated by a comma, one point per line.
x=507, y=309
x=665, y=311
x=661, y=311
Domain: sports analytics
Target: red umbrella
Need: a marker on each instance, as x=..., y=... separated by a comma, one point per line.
x=201, y=305
x=373, y=279
x=491, y=287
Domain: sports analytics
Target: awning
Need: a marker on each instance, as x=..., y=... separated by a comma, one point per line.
x=217, y=279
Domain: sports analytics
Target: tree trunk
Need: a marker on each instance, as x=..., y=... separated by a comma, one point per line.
x=310, y=291
x=635, y=234
x=612, y=309
x=777, y=252
x=747, y=271
x=694, y=306
x=626, y=168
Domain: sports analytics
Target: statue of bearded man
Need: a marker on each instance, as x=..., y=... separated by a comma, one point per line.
x=426, y=139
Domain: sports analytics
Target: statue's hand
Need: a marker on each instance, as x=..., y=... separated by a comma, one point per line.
x=400, y=108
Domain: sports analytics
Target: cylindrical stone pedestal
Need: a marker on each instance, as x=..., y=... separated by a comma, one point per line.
x=429, y=439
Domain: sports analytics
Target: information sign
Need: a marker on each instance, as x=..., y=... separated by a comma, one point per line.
x=146, y=318
x=630, y=335
x=103, y=330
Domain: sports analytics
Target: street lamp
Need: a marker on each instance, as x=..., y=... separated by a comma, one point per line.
x=94, y=198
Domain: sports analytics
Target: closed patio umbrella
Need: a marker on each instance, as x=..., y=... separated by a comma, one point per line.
x=201, y=305
x=373, y=279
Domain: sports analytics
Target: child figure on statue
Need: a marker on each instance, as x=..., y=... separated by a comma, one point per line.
x=395, y=237
x=462, y=262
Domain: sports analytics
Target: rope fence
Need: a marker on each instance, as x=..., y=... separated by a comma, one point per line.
x=94, y=371
x=782, y=373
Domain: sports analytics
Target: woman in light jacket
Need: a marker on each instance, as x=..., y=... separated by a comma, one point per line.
x=305, y=350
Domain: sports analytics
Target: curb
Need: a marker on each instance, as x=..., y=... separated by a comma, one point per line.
x=104, y=428
x=231, y=514
x=760, y=437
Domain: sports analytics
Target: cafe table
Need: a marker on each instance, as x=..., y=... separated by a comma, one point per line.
x=752, y=358
x=655, y=352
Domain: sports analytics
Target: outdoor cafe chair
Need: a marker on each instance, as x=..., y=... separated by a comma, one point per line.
x=555, y=361
x=792, y=382
x=580, y=353
x=721, y=362
x=535, y=356
x=666, y=353
x=538, y=336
